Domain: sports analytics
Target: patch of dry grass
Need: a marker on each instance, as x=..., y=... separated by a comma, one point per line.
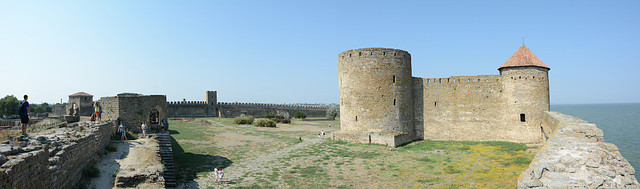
x=430, y=164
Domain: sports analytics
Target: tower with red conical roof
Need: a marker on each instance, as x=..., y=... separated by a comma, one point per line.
x=525, y=81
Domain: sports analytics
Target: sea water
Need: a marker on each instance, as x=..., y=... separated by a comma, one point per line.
x=620, y=123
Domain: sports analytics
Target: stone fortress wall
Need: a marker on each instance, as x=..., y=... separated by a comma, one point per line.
x=513, y=106
x=55, y=159
x=132, y=109
x=380, y=99
x=213, y=108
x=576, y=156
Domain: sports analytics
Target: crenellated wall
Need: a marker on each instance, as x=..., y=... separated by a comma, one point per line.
x=213, y=108
x=576, y=156
x=378, y=94
x=235, y=109
x=53, y=160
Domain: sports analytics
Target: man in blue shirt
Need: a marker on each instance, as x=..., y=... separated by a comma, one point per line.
x=25, y=114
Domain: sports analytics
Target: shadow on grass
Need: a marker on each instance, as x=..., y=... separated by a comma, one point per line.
x=189, y=164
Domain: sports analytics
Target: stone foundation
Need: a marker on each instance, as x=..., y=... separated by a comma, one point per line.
x=393, y=139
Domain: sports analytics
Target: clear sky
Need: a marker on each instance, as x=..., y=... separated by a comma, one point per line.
x=287, y=51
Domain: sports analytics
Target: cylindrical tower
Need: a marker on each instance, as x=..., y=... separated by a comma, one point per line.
x=376, y=94
x=525, y=81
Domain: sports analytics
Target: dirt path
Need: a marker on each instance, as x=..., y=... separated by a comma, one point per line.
x=238, y=170
x=108, y=165
x=129, y=154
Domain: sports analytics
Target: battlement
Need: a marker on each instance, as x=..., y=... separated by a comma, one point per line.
x=375, y=53
x=187, y=102
x=272, y=105
x=464, y=79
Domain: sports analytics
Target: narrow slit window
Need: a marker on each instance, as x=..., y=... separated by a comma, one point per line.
x=435, y=104
x=394, y=101
x=356, y=118
x=394, y=79
x=522, y=118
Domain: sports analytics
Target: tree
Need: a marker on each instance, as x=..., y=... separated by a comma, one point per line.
x=47, y=107
x=332, y=112
x=9, y=105
x=269, y=114
x=35, y=108
x=300, y=115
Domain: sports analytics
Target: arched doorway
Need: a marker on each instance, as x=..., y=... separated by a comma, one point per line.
x=154, y=116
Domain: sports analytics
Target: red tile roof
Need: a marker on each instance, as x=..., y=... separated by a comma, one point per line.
x=80, y=94
x=523, y=57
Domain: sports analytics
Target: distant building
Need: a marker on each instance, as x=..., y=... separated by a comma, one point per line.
x=83, y=101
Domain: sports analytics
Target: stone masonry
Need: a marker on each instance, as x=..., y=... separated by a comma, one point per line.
x=53, y=160
x=132, y=109
x=380, y=102
x=212, y=108
x=576, y=156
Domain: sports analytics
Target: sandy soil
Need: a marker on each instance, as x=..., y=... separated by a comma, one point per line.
x=128, y=156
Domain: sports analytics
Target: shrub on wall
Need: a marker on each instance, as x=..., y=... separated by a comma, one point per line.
x=243, y=120
x=266, y=123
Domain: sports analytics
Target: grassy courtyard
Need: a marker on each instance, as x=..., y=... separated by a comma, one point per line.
x=258, y=157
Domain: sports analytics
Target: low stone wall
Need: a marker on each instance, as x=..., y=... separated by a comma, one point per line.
x=55, y=159
x=576, y=156
x=393, y=139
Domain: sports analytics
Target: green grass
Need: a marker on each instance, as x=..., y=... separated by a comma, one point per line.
x=337, y=164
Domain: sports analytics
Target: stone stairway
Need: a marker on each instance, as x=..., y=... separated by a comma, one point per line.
x=165, y=152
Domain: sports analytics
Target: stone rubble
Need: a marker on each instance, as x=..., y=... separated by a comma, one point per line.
x=55, y=158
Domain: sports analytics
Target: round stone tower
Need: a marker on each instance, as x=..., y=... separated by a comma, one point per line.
x=525, y=81
x=376, y=98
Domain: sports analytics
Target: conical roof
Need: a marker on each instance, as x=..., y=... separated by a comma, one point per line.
x=523, y=57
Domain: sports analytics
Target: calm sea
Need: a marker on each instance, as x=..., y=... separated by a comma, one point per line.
x=620, y=123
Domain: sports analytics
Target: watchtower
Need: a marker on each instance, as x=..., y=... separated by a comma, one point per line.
x=376, y=98
x=526, y=89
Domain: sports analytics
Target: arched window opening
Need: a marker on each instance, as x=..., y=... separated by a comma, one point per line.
x=154, y=116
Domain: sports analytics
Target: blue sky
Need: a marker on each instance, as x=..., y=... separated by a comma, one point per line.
x=287, y=51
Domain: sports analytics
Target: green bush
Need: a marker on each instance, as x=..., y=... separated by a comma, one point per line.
x=300, y=115
x=266, y=123
x=269, y=114
x=332, y=113
x=243, y=120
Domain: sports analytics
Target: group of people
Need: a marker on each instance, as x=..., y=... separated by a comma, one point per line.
x=143, y=127
x=219, y=173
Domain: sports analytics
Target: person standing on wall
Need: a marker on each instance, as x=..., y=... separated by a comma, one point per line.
x=98, y=110
x=25, y=114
